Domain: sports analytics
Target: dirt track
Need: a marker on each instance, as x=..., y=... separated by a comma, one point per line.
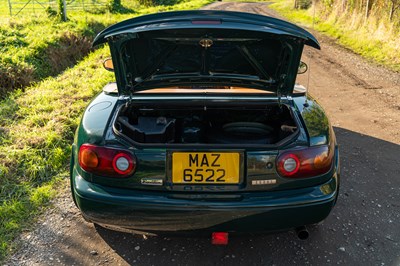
x=363, y=102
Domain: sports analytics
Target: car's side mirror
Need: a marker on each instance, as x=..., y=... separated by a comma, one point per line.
x=302, y=68
x=108, y=64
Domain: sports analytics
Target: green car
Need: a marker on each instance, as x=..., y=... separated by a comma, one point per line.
x=205, y=130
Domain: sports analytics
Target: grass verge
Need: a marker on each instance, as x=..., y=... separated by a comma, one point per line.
x=375, y=40
x=36, y=131
x=35, y=139
x=35, y=47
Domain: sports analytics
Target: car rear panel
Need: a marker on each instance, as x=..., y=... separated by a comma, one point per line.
x=233, y=212
x=257, y=167
x=262, y=201
x=257, y=171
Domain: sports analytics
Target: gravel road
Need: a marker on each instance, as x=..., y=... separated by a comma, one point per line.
x=363, y=102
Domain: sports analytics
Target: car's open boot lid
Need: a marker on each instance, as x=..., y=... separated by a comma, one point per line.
x=205, y=48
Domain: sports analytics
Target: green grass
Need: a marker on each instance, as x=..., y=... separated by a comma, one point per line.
x=36, y=132
x=34, y=47
x=376, y=40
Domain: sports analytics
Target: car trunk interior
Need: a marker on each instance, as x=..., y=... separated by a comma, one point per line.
x=224, y=124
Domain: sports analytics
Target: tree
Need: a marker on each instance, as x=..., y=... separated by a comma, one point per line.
x=62, y=10
x=115, y=5
x=395, y=4
x=368, y=8
x=344, y=4
x=302, y=4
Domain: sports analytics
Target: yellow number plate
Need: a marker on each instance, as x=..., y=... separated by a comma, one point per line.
x=205, y=167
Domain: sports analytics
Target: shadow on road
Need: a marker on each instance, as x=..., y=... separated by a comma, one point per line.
x=362, y=230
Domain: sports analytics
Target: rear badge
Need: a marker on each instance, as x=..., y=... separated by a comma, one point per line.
x=152, y=181
x=264, y=182
x=206, y=43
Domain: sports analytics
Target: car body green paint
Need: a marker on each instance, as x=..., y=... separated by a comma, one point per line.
x=113, y=202
x=124, y=203
x=179, y=27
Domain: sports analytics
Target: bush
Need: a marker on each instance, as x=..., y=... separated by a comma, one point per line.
x=158, y=2
x=51, y=13
x=114, y=5
x=302, y=4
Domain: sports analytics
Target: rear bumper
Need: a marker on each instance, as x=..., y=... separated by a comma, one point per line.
x=155, y=212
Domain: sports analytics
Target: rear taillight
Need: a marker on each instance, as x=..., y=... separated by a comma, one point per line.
x=106, y=161
x=307, y=162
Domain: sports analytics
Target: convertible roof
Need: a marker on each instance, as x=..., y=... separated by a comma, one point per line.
x=212, y=18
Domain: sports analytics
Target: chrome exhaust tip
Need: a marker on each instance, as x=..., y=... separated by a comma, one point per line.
x=302, y=232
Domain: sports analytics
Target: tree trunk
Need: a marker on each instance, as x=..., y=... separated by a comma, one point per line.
x=367, y=10
x=395, y=5
x=344, y=4
x=10, y=8
x=62, y=10
x=391, y=11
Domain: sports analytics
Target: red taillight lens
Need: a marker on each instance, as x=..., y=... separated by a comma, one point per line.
x=106, y=161
x=219, y=238
x=307, y=162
